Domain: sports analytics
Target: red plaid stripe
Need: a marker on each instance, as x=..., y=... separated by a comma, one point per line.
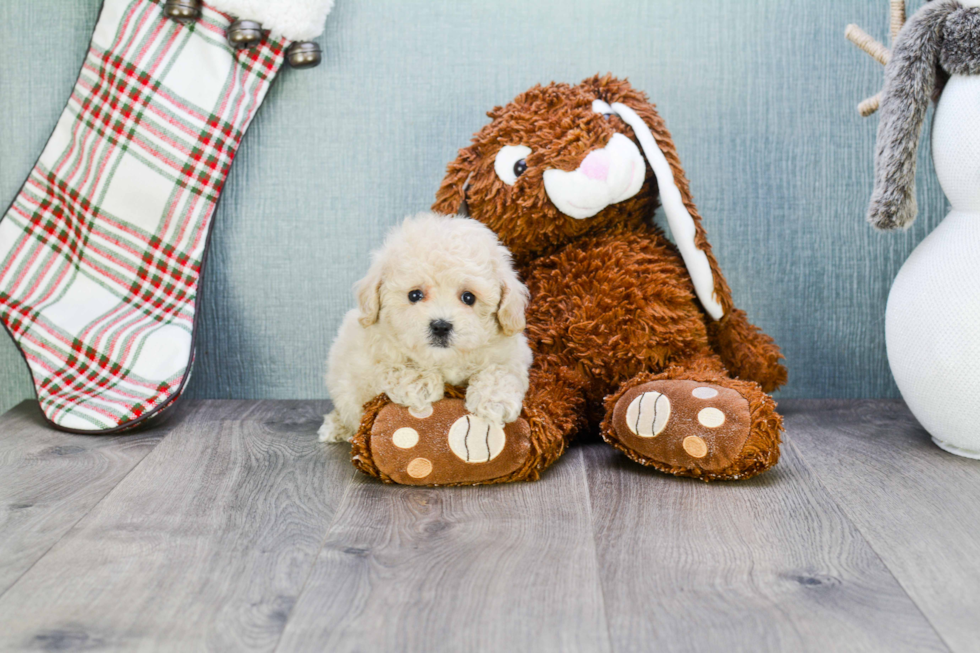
x=112, y=108
x=165, y=281
x=210, y=159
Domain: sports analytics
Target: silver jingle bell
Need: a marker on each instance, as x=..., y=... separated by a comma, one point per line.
x=182, y=11
x=304, y=54
x=244, y=34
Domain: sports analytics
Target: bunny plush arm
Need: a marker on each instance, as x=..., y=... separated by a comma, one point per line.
x=910, y=79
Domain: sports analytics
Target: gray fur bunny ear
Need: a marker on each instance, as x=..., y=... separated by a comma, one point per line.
x=910, y=78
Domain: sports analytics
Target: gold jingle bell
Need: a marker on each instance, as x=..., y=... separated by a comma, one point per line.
x=182, y=11
x=304, y=54
x=244, y=34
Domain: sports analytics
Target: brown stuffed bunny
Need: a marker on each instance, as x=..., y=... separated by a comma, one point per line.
x=631, y=333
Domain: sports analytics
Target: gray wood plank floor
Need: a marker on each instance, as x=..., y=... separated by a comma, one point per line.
x=230, y=528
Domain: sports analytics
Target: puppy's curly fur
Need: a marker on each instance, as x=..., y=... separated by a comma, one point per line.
x=441, y=304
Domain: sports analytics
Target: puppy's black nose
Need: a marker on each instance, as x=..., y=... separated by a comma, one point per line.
x=440, y=330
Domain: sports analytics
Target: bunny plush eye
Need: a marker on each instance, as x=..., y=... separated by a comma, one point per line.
x=511, y=163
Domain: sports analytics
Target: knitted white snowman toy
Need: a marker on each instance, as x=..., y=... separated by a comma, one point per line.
x=932, y=324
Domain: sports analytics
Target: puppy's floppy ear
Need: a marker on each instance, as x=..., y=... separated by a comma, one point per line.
x=513, y=297
x=368, y=292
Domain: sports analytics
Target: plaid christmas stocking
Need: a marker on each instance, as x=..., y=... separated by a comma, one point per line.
x=102, y=251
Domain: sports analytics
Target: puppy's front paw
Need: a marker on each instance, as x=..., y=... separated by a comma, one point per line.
x=419, y=393
x=497, y=408
x=496, y=395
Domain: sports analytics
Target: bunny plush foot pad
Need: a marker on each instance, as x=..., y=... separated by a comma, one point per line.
x=445, y=446
x=682, y=425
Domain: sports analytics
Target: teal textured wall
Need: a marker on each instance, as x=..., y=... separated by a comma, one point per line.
x=759, y=94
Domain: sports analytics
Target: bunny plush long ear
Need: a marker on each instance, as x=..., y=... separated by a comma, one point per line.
x=910, y=78
x=747, y=352
x=685, y=223
x=682, y=215
x=451, y=197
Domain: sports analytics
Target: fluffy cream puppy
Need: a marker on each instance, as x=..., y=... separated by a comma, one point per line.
x=440, y=304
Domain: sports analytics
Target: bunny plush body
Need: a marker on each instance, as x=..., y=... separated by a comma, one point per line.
x=933, y=316
x=634, y=336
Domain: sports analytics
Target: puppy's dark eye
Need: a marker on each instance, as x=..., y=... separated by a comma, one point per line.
x=415, y=296
x=520, y=168
x=468, y=298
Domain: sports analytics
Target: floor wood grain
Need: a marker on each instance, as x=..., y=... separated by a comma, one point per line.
x=50, y=480
x=498, y=568
x=207, y=546
x=231, y=528
x=766, y=564
x=918, y=506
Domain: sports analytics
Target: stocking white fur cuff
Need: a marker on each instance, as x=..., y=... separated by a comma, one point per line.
x=296, y=20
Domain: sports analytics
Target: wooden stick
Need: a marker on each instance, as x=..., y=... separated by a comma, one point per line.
x=869, y=106
x=898, y=17
x=866, y=42
x=876, y=49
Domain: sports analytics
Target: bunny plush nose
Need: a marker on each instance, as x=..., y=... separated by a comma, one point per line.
x=606, y=176
x=596, y=165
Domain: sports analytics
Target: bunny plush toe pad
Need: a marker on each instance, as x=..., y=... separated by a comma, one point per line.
x=444, y=446
x=685, y=424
